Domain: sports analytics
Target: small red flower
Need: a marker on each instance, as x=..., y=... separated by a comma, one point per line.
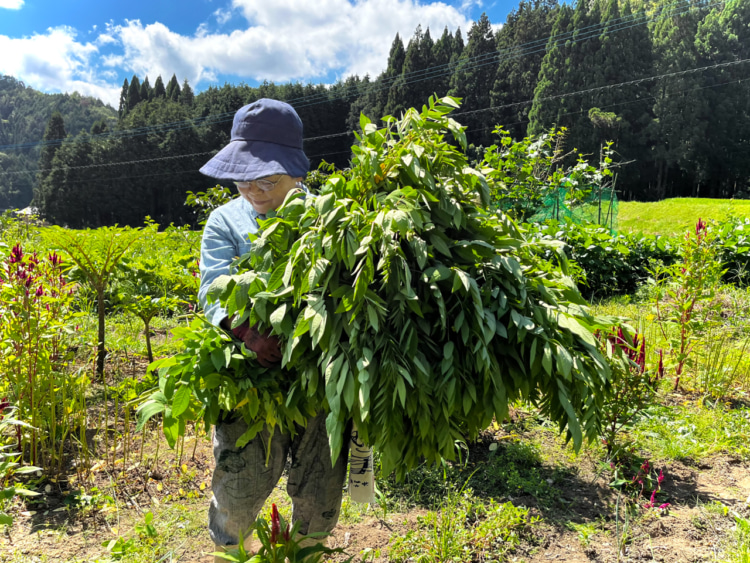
x=661, y=364
x=275, y=523
x=16, y=254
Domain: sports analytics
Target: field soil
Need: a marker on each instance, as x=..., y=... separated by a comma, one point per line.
x=53, y=529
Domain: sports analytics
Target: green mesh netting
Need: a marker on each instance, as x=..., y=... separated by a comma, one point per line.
x=598, y=208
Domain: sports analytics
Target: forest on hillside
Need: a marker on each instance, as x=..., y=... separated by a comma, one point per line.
x=666, y=81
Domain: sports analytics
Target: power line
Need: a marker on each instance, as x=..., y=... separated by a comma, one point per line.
x=580, y=35
x=543, y=99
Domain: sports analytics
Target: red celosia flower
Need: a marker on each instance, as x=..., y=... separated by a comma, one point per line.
x=661, y=364
x=275, y=523
x=16, y=254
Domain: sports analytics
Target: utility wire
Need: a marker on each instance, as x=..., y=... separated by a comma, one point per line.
x=579, y=35
x=490, y=108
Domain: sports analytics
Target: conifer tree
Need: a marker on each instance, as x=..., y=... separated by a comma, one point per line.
x=413, y=87
x=681, y=125
x=474, y=76
x=186, y=96
x=70, y=188
x=123, y=109
x=388, y=77
x=146, y=91
x=546, y=113
x=159, y=90
x=134, y=93
x=626, y=54
x=173, y=89
x=520, y=45
x=723, y=37
x=442, y=54
x=99, y=127
x=52, y=140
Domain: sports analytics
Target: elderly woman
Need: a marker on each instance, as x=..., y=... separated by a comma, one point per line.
x=265, y=160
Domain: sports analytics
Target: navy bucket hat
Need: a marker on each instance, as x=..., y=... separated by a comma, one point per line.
x=266, y=140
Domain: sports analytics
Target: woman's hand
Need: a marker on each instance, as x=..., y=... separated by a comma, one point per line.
x=265, y=345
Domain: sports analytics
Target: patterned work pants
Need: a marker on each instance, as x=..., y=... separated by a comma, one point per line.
x=242, y=481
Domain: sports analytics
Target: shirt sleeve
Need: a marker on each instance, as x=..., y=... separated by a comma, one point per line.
x=218, y=251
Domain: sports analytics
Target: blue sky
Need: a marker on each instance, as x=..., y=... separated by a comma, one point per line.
x=91, y=46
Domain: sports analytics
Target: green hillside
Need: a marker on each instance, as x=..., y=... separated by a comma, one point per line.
x=674, y=216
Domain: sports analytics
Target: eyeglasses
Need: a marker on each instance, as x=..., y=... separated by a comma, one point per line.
x=262, y=184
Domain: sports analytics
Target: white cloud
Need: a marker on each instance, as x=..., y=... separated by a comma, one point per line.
x=285, y=40
x=202, y=30
x=11, y=4
x=55, y=62
x=222, y=16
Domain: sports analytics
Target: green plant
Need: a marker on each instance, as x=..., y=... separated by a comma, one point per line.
x=681, y=288
x=9, y=466
x=35, y=309
x=741, y=552
x=145, y=291
x=523, y=174
x=280, y=544
x=632, y=391
x=586, y=531
x=147, y=529
x=205, y=202
x=719, y=364
x=120, y=547
x=607, y=264
x=404, y=303
x=463, y=529
x=96, y=254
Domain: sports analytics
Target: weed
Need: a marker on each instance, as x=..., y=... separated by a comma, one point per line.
x=463, y=529
x=585, y=531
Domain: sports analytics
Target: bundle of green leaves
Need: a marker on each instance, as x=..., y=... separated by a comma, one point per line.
x=403, y=303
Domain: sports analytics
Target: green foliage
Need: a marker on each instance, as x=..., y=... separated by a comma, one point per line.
x=633, y=390
x=35, y=308
x=684, y=296
x=732, y=240
x=608, y=264
x=404, y=304
x=96, y=254
x=463, y=530
x=206, y=202
x=9, y=465
x=526, y=175
x=280, y=544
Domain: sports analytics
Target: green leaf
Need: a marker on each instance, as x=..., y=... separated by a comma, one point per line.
x=146, y=411
x=547, y=358
x=181, y=400
x=171, y=427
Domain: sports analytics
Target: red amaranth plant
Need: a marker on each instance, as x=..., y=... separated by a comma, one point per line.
x=288, y=546
x=680, y=288
x=35, y=309
x=632, y=386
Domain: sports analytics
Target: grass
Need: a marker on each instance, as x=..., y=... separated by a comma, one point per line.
x=675, y=216
x=514, y=494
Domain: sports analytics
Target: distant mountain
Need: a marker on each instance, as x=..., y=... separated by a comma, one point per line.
x=24, y=113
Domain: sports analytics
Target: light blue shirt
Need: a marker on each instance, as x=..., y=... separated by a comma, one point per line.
x=224, y=239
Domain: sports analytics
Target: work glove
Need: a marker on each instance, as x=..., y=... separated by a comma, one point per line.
x=265, y=345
